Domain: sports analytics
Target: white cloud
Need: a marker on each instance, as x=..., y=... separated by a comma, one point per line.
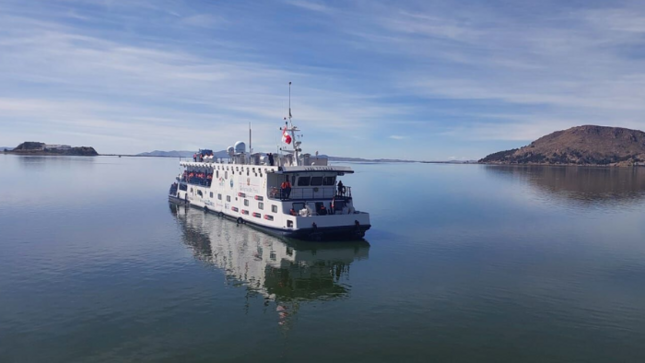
x=203, y=20
x=309, y=5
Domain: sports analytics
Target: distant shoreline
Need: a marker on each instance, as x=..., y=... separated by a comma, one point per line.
x=349, y=160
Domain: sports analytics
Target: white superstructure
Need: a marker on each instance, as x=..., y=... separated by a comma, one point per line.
x=250, y=188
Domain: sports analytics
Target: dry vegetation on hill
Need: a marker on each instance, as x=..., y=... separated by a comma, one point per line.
x=582, y=145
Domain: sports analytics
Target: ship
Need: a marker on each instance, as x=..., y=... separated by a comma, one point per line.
x=289, y=194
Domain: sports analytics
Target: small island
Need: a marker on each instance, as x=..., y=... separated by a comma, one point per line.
x=40, y=148
x=581, y=145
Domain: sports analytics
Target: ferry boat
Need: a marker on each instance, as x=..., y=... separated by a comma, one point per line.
x=289, y=194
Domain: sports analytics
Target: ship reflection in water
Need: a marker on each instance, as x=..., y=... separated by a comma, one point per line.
x=286, y=273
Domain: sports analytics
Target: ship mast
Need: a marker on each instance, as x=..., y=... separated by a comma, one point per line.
x=292, y=129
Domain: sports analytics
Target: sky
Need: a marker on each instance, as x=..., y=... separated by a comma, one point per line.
x=420, y=80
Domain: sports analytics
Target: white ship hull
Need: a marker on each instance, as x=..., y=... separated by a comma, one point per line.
x=251, y=194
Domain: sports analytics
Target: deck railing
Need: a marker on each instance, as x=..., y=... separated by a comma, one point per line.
x=310, y=193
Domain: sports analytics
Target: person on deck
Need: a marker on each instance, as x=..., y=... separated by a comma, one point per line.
x=270, y=155
x=288, y=189
x=341, y=188
x=283, y=190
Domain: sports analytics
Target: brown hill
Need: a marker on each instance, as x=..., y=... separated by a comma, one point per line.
x=581, y=145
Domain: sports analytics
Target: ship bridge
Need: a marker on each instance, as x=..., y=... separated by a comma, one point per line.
x=307, y=182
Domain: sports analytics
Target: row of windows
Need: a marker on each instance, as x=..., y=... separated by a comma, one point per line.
x=268, y=217
x=316, y=181
x=233, y=172
x=274, y=208
x=240, y=168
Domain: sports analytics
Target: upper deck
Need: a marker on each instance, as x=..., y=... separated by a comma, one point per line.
x=217, y=165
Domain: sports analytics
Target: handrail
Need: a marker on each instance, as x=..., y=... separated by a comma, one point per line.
x=309, y=193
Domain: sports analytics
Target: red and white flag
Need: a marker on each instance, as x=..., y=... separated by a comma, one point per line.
x=286, y=138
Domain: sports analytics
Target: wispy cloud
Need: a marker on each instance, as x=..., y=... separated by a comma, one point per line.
x=309, y=5
x=203, y=20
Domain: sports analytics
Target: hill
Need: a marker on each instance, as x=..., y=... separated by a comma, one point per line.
x=581, y=145
x=40, y=148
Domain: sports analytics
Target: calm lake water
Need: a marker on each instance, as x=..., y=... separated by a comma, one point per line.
x=464, y=263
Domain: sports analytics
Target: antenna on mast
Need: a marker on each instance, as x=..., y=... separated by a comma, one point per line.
x=250, y=145
x=289, y=100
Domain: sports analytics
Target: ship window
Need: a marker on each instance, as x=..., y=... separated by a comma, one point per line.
x=339, y=205
x=228, y=198
x=274, y=208
x=246, y=202
x=219, y=196
x=298, y=206
x=226, y=175
x=260, y=205
x=316, y=181
x=329, y=180
x=290, y=224
x=303, y=181
x=211, y=194
x=320, y=209
x=199, y=192
x=217, y=174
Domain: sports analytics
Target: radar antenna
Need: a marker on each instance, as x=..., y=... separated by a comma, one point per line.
x=292, y=130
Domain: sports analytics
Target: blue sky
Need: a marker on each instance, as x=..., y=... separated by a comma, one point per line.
x=424, y=80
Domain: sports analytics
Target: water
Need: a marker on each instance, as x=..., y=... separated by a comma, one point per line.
x=464, y=263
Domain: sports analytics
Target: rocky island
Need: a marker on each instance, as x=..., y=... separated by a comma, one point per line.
x=581, y=145
x=40, y=148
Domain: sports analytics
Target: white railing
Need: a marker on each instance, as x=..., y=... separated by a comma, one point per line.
x=308, y=193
